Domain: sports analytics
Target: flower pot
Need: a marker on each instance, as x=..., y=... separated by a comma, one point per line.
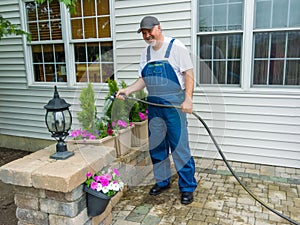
x=123, y=144
x=109, y=141
x=96, y=202
x=139, y=133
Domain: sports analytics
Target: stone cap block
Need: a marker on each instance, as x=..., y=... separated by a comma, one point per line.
x=39, y=171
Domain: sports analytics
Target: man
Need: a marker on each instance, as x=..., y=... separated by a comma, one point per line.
x=166, y=71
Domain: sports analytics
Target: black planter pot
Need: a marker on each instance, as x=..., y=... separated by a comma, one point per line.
x=96, y=202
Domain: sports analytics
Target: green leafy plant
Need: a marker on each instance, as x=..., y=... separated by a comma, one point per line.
x=139, y=110
x=7, y=28
x=87, y=103
x=119, y=110
x=104, y=127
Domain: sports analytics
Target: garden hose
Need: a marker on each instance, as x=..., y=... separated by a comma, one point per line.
x=220, y=152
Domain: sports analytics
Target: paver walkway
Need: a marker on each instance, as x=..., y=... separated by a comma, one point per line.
x=219, y=199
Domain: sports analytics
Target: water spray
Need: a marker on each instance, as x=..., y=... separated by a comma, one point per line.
x=112, y=98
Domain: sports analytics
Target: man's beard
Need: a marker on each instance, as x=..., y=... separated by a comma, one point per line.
x=151, y=41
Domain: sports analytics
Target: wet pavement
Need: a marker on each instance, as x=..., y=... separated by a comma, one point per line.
x=218, y=199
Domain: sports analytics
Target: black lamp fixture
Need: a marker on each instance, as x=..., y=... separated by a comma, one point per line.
x=59, y=120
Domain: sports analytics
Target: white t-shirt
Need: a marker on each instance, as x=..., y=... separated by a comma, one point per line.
x=179, y=58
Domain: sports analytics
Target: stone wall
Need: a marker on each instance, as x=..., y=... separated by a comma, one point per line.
x=51, y=192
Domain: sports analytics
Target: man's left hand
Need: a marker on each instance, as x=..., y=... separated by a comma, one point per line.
x=187, y=106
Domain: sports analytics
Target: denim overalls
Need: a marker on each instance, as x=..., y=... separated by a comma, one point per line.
x=168, y=126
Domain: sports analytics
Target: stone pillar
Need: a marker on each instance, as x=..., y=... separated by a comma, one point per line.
x=50, y=191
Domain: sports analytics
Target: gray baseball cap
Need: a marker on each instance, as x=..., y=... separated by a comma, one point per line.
x=148, y=22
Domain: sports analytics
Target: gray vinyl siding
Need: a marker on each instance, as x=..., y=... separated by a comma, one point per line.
x=174, y=15
x=257, y=128
x=250, y=125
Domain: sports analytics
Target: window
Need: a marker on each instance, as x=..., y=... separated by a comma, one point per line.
x=276, y=43
x=219, y=38
x=89, y=43
x=270, y=32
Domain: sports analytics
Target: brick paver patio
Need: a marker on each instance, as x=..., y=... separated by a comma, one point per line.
x=219, y=199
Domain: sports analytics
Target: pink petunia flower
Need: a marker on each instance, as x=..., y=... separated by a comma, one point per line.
x=116, y=171
x=89, y=174
x=94, y=185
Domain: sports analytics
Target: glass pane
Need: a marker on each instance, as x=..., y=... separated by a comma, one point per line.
x=220, y=17
x=219, y=46
x=104, y=27
x=48, y=53
x=90, y=28
x=50, y=73
x=59, y=53
x=38, y=72
x=77, y=30
x=220, y=1
x=107, y=72
x=56, y=30
x=44, y=31
x=78, y=12
x=280, y=13
x=54, y=10
x=292, y=72
x=94, y=72
x=276, y=72
x=235, y=20
x=293, y=46
x=42, y=10
x=206, y=47
x=107, y=53
x=263, y=14
x=93, y=52
x=81, y=73
x=205, y=2
x=278, y=45
x=37, y=54
x=205, y=72
x=262, y=45
x=234, y=46
x=233, y=72
x=219, y=72
x=89, y=8
x=205, y=18
x=260, y=72
x=30, y=10
x=33, y=29
x=61, y=73
x=294, y=13
x=80, y=54
x=103, y=7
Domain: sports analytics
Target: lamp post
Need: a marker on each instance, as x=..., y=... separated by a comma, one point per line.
x=59, y=120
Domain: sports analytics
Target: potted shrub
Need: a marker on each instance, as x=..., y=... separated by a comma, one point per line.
x=94, y=130
x=139, y=117
x=118, y=112
x=87, y=103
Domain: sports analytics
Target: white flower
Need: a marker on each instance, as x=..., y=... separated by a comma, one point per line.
x=115, y=186
x=105, y=189
x=99, y=187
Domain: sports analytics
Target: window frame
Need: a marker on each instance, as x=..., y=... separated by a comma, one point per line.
x=69, y=48
x=247, y=53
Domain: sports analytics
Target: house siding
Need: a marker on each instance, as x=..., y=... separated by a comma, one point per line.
x=253, y=125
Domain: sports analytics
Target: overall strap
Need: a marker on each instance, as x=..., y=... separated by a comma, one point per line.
x=167, y=52
x=169, y=48
x=148, y=54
